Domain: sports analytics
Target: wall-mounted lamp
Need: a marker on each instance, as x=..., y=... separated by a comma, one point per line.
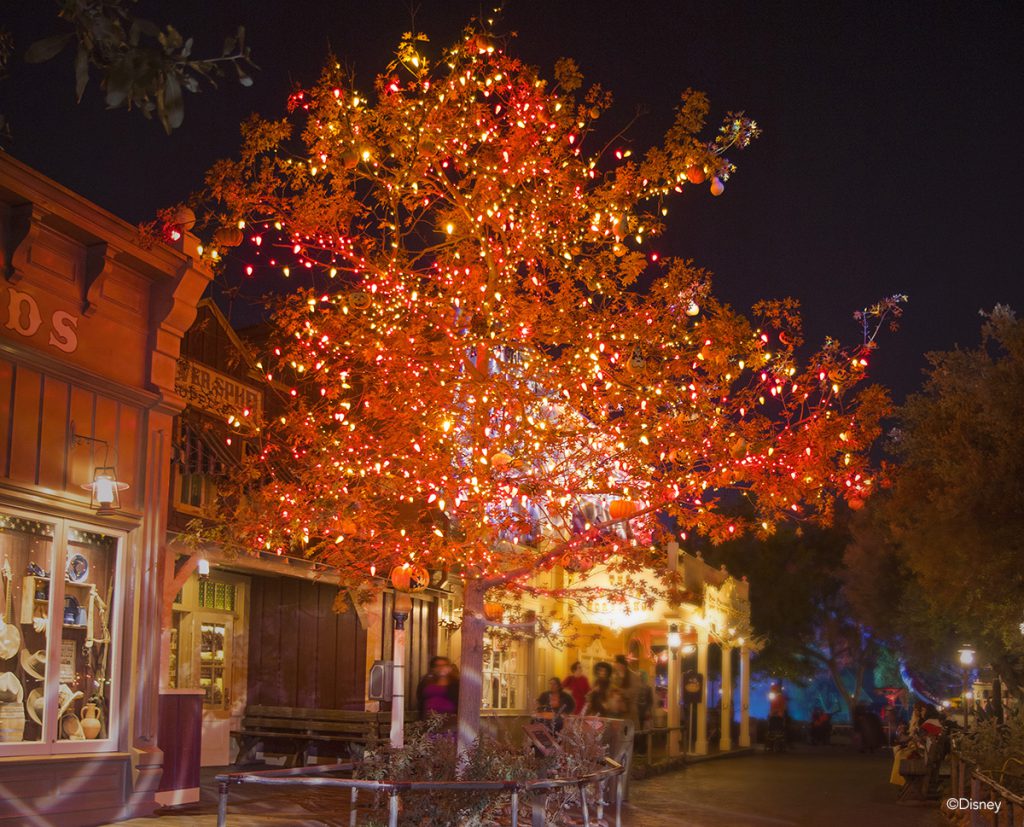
x=203, y=568
x=675, y=640
x=104, y=488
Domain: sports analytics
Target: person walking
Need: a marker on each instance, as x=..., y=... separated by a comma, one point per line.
x=438, y=690
x=599, y=701
x=578, y=686
x=554, y=704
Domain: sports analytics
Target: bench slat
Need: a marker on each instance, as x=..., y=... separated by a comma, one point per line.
x=303, y=726
x=287, y=736
x=301, y=713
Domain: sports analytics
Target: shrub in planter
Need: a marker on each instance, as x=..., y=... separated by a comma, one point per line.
x=429, y=755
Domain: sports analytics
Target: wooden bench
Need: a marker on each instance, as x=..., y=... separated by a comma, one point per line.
x=922, y=776
x=296, y=729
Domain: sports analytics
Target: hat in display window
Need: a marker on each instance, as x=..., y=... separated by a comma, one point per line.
x=71, y=727
x=36, y=702
x=34, y=663
x=11, y=690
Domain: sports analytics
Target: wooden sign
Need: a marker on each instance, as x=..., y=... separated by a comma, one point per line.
x=216, y=392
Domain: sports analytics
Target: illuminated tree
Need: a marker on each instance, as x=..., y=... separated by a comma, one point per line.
x=496, y=374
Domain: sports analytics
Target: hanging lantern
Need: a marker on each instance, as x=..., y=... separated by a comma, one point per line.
x=228, y=237
x=185, y=218
x=622, y=509
x=494, y=612
x=695, y=174
x=105, y=490
x=410, y=578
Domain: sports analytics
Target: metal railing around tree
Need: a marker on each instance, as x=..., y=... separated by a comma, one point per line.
x=593, y=790
x=977, y=786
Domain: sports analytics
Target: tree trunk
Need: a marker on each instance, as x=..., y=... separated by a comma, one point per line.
x=837, y=679
x=471, y=666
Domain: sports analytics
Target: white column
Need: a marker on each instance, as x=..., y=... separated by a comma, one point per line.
x=700, y=746
x=403, y=604
x=672, y=701
x=744, y=696
x=725, y=739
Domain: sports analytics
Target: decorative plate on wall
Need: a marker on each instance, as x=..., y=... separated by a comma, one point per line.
x=78, y=568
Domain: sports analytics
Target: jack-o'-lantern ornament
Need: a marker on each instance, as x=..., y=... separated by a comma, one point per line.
x=622, y=509
x=409, y=577
x=494, y=612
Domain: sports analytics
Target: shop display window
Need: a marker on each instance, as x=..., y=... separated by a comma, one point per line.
x=58, y=635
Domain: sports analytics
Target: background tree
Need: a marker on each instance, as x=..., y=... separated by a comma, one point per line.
x=953, y=526
x=140, y=64
x=801, y=608
x=497, y=374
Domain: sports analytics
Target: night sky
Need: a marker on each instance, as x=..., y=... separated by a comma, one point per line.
x=890, y=160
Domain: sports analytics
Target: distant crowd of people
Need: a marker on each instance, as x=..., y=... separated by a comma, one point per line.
x=614, y=692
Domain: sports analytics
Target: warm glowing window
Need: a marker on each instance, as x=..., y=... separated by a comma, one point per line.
x=505, y=672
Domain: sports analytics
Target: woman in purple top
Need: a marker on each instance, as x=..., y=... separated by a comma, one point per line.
x=438, y=691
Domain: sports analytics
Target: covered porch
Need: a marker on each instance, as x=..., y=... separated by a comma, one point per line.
x=694, y=654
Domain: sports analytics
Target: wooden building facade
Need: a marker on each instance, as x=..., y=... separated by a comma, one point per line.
x=91, y=320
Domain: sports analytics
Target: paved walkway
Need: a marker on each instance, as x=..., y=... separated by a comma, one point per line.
x=809, y=787
x=821, y=787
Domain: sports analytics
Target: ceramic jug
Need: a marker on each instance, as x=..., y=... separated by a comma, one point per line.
x=91, y=723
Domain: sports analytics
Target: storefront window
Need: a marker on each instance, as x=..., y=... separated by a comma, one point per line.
x=504, y=673
x=85, y=664
x=56, y=682
x=213, y=662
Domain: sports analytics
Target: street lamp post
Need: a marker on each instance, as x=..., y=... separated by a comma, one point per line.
x=966, y=662
x=672, y=706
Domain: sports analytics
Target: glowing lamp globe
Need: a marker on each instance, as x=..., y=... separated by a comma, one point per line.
x=105, y=490
x=966, y=656
x=675, y=640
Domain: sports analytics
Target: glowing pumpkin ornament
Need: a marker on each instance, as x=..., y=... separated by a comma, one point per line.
x=622, y=509
x=494, y=612
x=410, y=578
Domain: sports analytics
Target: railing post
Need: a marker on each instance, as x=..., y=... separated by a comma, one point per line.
x=515, y=808
x=222, y=803
x=538, y=804
x=583, y=801
x=977, y=820
x=618, y=801
x=352, y=815
x=393, y=808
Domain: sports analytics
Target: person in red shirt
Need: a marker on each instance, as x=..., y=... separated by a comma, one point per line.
x=578, y=686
